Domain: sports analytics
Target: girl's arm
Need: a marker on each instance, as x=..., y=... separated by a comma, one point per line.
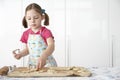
x=49, y=50
x=21, y=53
x=50, y=47
x=24, y=50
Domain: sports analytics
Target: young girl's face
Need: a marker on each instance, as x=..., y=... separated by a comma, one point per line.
x=33, y=19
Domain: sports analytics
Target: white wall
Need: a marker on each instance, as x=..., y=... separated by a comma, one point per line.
x=114, y=21
x=87, y=24
x=10, y=30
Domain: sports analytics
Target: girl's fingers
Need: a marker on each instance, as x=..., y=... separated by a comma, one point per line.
x=39, y=65
x=17, y=56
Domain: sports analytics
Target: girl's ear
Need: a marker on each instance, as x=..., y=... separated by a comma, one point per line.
x=43, y=17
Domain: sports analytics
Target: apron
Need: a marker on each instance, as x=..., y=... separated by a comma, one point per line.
x=36, y=46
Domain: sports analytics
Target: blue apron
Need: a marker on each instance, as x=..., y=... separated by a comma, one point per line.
x=36, y=46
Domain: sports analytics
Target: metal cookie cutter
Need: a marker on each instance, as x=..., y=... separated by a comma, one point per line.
x=16, y=51
x=12, y=68
x=31, y=67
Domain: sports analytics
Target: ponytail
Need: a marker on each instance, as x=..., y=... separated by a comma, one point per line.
x=24, y=23
x=46, y=22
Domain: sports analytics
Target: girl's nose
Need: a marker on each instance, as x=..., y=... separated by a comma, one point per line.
x=32, y=20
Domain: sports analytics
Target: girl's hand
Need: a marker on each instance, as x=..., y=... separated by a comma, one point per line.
x=17, y=54
x=41, y=62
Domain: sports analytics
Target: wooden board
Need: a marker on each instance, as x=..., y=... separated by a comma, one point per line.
x=50, y=72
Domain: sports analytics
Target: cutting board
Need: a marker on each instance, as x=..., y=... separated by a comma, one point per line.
x=50, y=72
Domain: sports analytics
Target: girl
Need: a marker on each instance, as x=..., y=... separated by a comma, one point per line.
x=38, y=39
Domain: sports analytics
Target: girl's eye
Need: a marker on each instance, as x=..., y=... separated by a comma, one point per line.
x=29, y=18
x=36, y=17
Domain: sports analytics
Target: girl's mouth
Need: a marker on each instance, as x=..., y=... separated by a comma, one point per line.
x=33, y=25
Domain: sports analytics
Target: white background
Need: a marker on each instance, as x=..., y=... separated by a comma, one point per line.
x=86, y=31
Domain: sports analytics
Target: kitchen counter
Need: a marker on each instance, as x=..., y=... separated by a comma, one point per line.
x=103, y=73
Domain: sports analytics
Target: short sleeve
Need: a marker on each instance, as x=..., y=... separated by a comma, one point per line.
x=24, y=38
x=47, y=33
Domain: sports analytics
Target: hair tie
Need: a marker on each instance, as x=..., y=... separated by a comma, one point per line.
x=43, y=10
